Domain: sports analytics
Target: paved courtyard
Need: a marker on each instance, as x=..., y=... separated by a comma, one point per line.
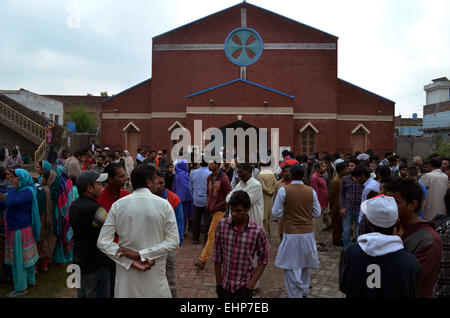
x=192, y=283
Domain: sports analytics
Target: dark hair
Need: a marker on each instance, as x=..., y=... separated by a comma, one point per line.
x=317, y=164
x=409, y=190
x=303, y=158
x=245, y=166
x=365, y=163
x=240, y=197
x=413, y=171
x=141, y=174
x=434, y=155
x=355, y=161
x=286, y=167
x=297, y=172
x=164, y=151
x=402, y=167
x=388, y=154
x=436, y=162
x=2, y=173
x=40, y=163
x=46, y=175
x=361, y=170
x=170, y=164
x=447, y=201
x=404, y=160
x=15, y=152
x=78, y=153
x=384, y=171
x=203, y=163
x=341, y=166
x=111, y=169
x=160, y=173
x=139, y=150
x=372, y=194
x=357, y=153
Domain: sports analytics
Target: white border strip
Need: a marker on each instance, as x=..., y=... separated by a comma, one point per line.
x=300, y=46
x=263, y=111
x=143, y=115
x=240, y=110
x=267, y=46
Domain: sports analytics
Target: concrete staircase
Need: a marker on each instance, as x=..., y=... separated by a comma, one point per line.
x=30, y=125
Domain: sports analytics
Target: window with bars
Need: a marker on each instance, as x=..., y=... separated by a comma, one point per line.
x=308, y=141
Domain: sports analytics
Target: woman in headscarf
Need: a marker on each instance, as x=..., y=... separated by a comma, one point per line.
x=181, y=188
x=22, y=229
x=129, y=166
x=67, y=194
x=5, y=186
x=47, y=194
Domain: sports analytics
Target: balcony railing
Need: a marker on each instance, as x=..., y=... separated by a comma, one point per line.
x=26, y=124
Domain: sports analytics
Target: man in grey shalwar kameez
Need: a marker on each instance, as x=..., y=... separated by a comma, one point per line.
x=297, y=253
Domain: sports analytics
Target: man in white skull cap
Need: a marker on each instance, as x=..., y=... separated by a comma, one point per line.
x=378, y=266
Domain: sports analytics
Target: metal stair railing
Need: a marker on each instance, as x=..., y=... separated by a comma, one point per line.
x=26, y=124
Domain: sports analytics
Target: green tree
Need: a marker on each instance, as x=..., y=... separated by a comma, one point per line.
x=443, y=148
x=84, y=121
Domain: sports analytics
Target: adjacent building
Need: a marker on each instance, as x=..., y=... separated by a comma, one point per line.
x=436, y=113
x=408, y=126
x=50, y=108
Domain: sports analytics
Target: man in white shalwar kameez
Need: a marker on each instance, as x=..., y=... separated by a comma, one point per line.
x=253, y=188
x=297, y=252
x=147, y=230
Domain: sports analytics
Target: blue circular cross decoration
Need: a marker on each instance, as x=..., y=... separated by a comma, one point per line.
x=243, y=46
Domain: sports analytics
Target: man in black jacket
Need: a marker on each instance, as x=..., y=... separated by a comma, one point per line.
x=86, y=218
x=378, y=266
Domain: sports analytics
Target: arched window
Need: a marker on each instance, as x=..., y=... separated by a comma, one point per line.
x=308, y=139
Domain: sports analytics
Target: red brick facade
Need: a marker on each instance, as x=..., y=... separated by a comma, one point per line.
x=286, y=88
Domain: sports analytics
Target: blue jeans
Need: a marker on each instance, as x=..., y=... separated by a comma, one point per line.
x=350, y=217
x=95, y=284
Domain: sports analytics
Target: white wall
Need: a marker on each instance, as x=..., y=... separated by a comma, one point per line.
x=438, y=96
x=38, y=103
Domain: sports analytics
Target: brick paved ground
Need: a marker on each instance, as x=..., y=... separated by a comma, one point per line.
x=192, y=283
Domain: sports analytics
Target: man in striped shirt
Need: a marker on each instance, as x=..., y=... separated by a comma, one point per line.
x=237, y=241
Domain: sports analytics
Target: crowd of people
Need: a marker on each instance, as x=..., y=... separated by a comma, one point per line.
x=122, y=218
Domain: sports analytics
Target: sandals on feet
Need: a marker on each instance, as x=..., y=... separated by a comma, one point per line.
x=13, y=293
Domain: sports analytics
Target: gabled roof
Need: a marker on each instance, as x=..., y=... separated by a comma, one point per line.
x=241, y=4
x=130, y=125
x=235, y=81
x=127, y=90
x=388, y=100
x=361, y=126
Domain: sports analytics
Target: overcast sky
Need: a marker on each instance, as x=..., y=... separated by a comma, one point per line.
x=390, y=47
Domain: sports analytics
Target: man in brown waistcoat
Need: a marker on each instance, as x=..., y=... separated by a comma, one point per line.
x=297, y=253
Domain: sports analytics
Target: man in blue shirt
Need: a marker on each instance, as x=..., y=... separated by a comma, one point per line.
x=198, y=188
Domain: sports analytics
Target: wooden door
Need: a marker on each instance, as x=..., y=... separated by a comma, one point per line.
x=308, y=138
x=132, y=142
x=359, y=141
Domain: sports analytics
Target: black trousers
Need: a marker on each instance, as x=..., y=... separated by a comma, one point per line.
x=242, y=292
x=200, y=213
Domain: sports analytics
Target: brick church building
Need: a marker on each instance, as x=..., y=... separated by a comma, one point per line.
x=249, y=67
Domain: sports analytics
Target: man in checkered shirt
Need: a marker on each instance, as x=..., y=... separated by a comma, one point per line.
x=237, y=240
